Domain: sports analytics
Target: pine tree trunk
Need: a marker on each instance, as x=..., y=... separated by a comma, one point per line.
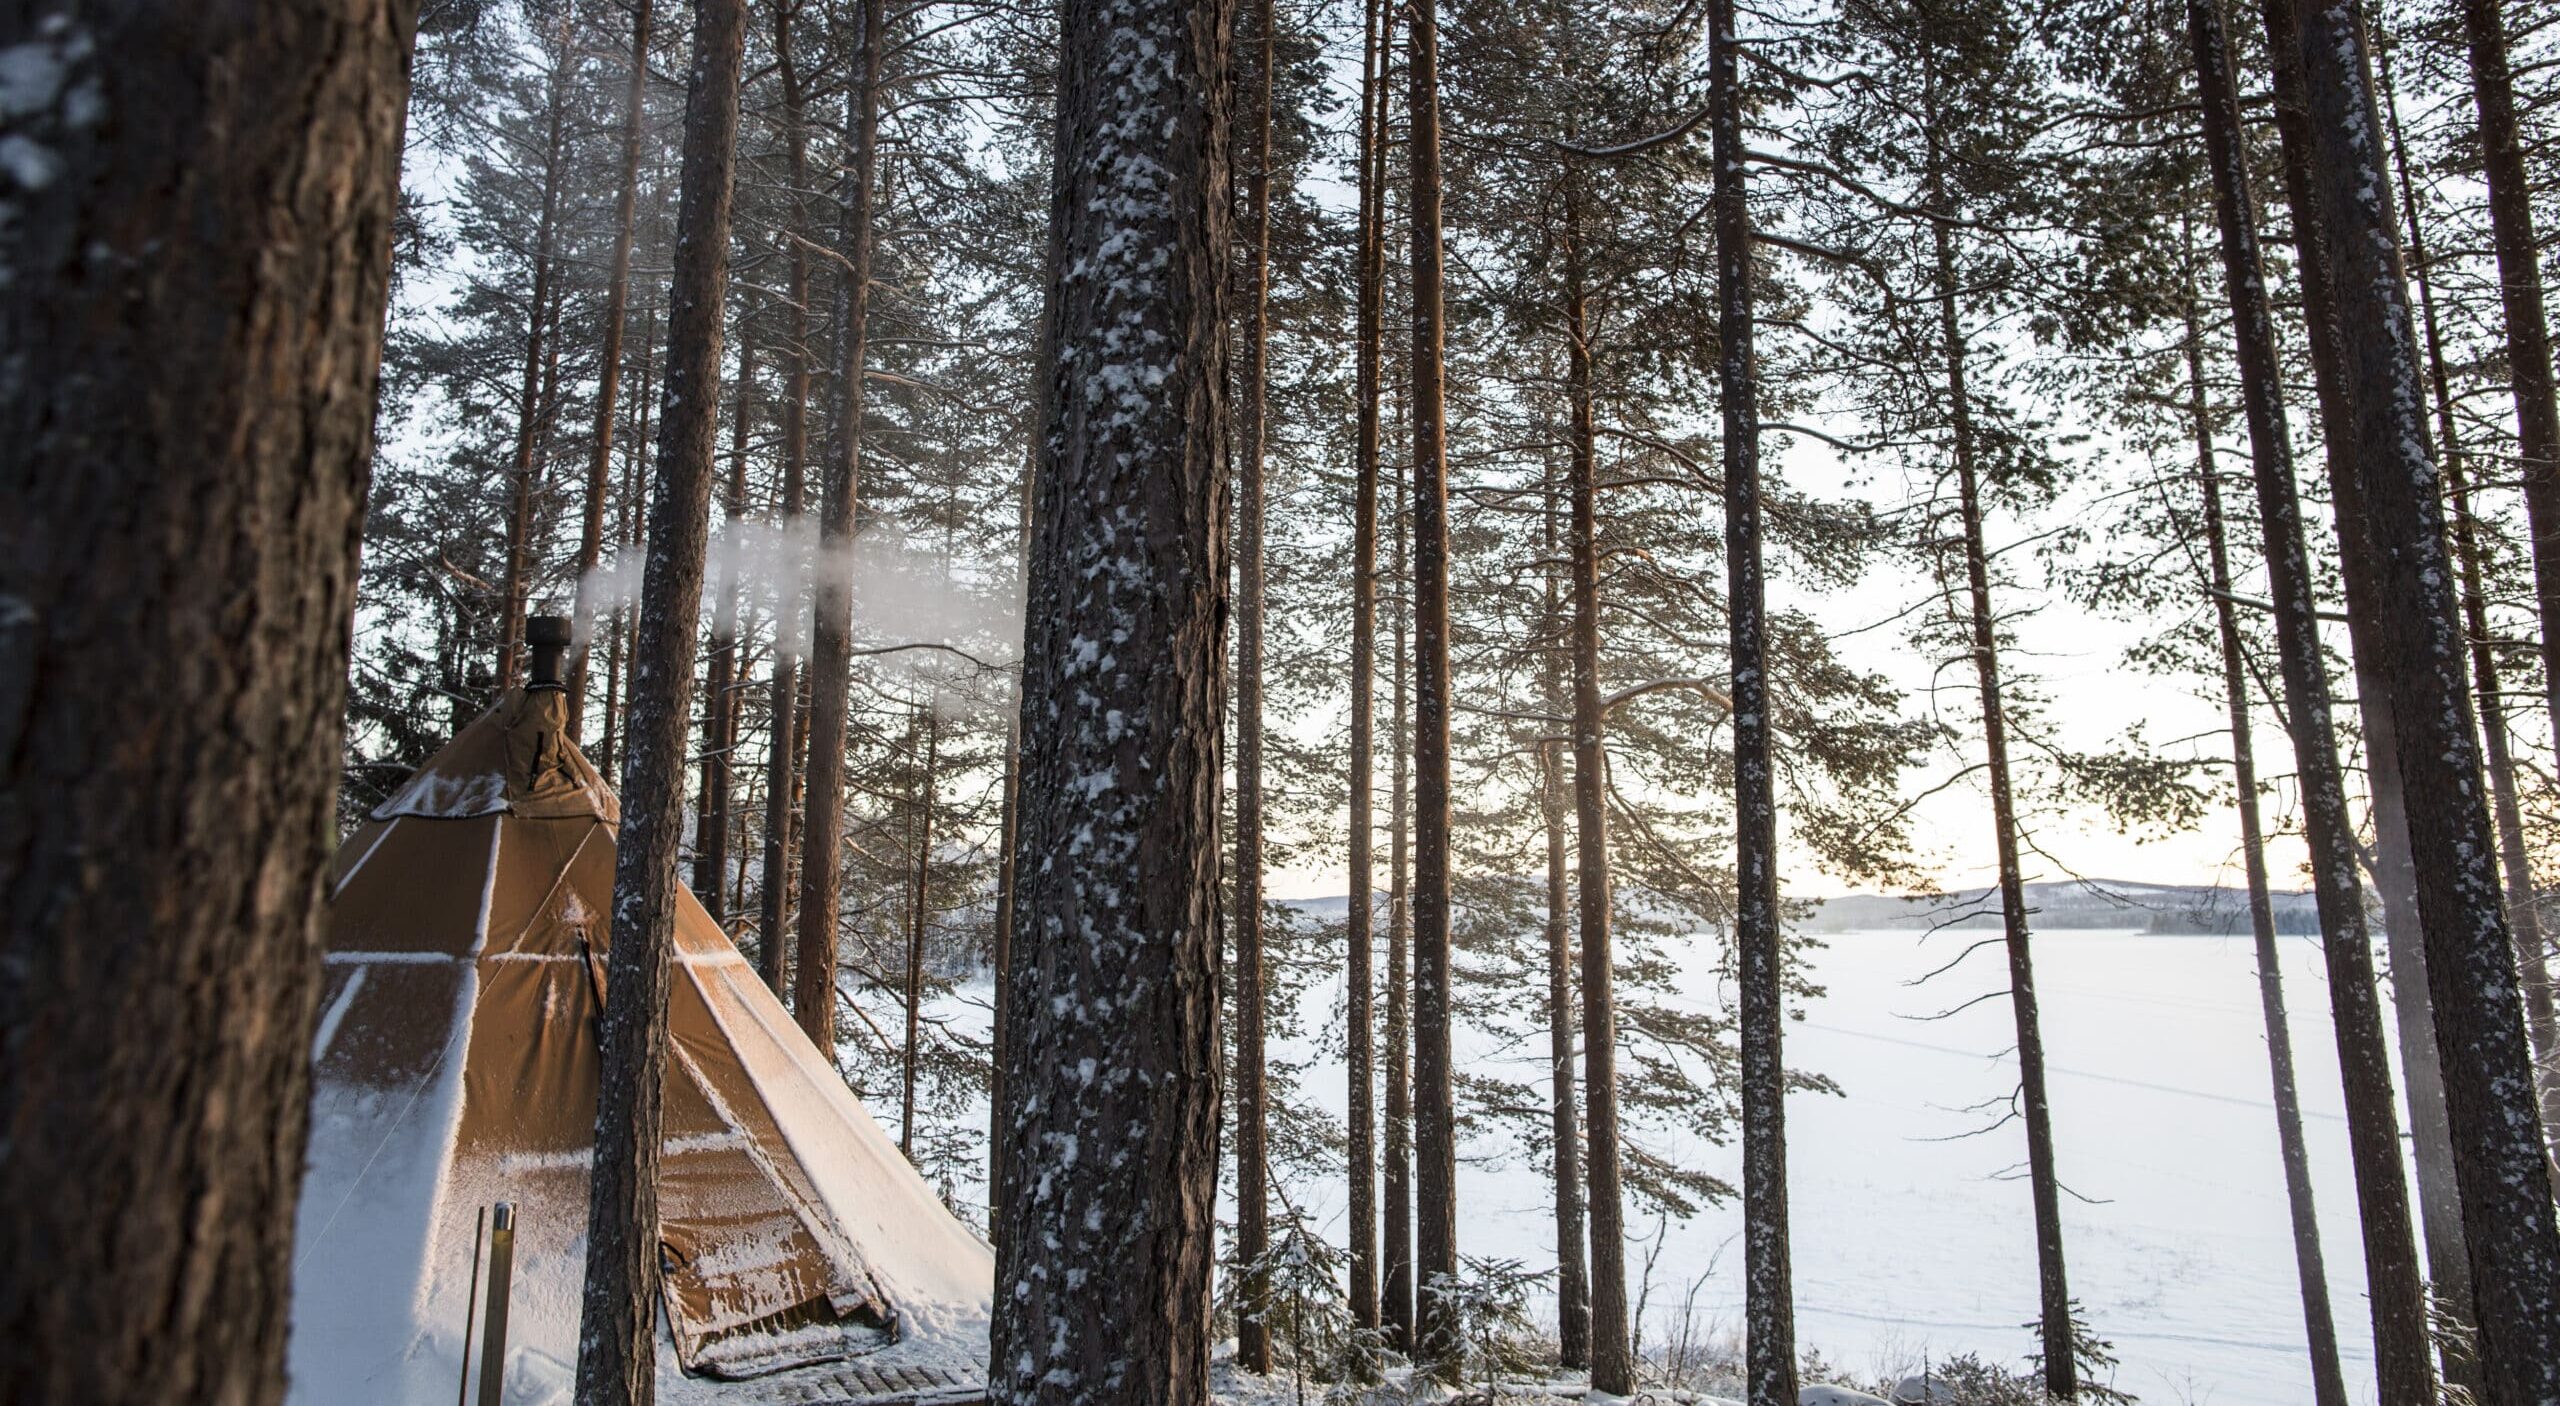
x=999, y=967
x=2054, y=1297
x=1360, y=919
x=831, y=636
x=1253, y=1173
x=2396, y=1297
x=2404, y=947
x=450, y=633
x=1573, y=1277
x=617, y=305
x=1008, y=875
x=1768, y=1260
x=2502, y=162
x=2035, y=1109
x=181, y=494
x=511, y=602
x=617, y=1339
x=782, y=690
x=2320, y=1329
x=1612, y=1342
x=546, y=426
x=1396, y=1220
x=635, y=468
x=919, y=901
x=1113, y=1047
x=2395, y=878
x=2499, y=1158
x=2523, y=913
x=1435, y=1116
x=719, y=701
x=773, y=896
x=608, y=745
x=2533, y=967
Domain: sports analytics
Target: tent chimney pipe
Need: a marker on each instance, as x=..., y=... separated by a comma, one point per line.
x=548, y=638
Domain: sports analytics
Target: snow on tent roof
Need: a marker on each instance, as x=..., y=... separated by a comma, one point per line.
x=455, y=1065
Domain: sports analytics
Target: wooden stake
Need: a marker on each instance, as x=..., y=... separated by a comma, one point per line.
x=471, y=1305
x=493, y=1337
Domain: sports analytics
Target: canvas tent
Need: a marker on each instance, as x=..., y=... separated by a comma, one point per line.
x=456, y=1066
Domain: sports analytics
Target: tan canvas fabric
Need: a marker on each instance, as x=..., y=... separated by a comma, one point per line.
x=357, y=847
x=389, y=904
x=514, y=759
x=547, y=777
x=471, y=925
x=393, y=1021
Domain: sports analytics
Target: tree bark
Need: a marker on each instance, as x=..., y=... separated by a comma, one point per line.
x=2396, y=1297
x=635, y=468
x=1397, y=1278
x=1253, y=1172
x=999, y=965
x=529, y=418
x=182, y=490
x=719, y=701
x=1008, y=869
x=1573, y=1276
x=2320, y=1328
x=1435, y=1116
x=2502, y=162
x=608, y=745
x=2438, y=1198
x=1112, y=1005
x=1612, y=1343
x=617, y=1338
x=2499, y=1159
x=1768, y=1261
x=782, y=690
x=919, y=905
x=547, y=425
x=617, y=305
x=2523, y=912
x=1360, y=920
x=2035, y=1109
x=831, y=636
x=2533, y=967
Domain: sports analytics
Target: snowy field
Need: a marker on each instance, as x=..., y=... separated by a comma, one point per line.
x=1912, y=1241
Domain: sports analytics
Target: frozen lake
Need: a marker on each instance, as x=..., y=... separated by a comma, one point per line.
x=1913, y=1241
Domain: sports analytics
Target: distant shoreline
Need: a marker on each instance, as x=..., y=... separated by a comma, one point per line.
x=2168, y=910
x=2163, y=910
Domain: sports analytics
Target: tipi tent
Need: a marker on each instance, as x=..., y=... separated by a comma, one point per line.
x=456, y=1066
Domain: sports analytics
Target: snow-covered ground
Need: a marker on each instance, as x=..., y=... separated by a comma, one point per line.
x=1913, y=1241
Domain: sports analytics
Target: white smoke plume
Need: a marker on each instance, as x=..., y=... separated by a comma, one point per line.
x=951, y=625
